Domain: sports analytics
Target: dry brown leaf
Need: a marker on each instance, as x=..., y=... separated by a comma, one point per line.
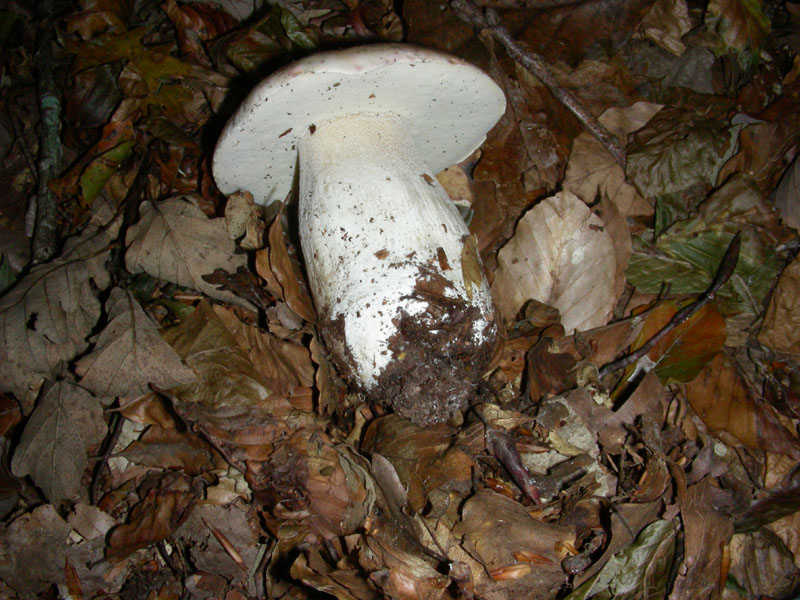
x=281, y=360
x=787, y=196
x=176, y=242
x=708, y=530
x=242, y=219
x=166, y=502
x=37, y=538
x=288, y=273
x=560, y=255
x=228, y=383
x=129, y=354
x=45, y=319
x=617, y=227
x=170, y=449
x=666, y=23
x=495, y=528
x=54, y=446
x=781, y=328
x=721, y=399
x=207, y=553
x=741, y=23
x=592, y=172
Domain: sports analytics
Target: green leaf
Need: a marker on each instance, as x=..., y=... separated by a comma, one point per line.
x=687, y=255
x=297, y=33
x=640, y=571
x=101, y=169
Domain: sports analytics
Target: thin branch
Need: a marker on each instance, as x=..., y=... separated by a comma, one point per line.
x=489, y=21
x=724, y=272
x=45, y=234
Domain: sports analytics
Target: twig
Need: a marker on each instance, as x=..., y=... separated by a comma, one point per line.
x=726, y=267
x=115, y=429
x=45, y=234
x=490, y=22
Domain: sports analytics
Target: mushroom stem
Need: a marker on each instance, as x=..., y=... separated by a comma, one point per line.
x=383, y=248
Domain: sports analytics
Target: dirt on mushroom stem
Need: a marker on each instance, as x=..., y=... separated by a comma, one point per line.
x=436, y=360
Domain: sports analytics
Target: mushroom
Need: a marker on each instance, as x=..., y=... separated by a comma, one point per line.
x=403, y=304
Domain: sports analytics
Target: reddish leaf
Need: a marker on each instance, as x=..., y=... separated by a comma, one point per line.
x=684, y=351
x=723, y=401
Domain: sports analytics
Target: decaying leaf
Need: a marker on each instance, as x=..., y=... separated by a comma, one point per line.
x=723, y=401
x=175, y=241
x=688, y=254
x=787, y=196
x=166, y=501
x=741, y=24
x=666, y=23
x=681, y=354
x=560, y=255
x=229, y=384
x=592, y=172
x=677, y=150
x=47, y=316
x=129, y=354
x=288, y=274
x=641, y=570
x=494, y=528
x=54, y=448
x=781, y=328
x=36, y=538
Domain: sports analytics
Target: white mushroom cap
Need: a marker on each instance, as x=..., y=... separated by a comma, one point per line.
x=447, y=103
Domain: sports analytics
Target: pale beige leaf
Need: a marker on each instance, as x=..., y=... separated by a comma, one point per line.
x=176, y=242
x=129, y=354
x=592, y=172
x=781, y=328
x=560, y=255
x=54, y=446
x=45, y=319
x=666, y=23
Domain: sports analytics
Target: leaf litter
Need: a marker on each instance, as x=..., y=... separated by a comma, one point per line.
x=636, y=435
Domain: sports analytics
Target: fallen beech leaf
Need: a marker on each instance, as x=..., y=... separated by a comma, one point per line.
x=495, y=527
x=560, y=255
x=781, y=328
x=677, y=150
x=288, y=273
x=175, y=241
x=54, y=446
x=681, y=354
x=787, y=196
x=723, y=401
x=666, y=23
x=228, y=383
x=46, y=317
x=233, y=526
x=36, y=538
x=170, y=449
x=688, y=254
x=741, y=24
x=762, y=566
x=641, y=570
x=129, y=354
x=165, y=504
x=592, y=172
x=707, y=532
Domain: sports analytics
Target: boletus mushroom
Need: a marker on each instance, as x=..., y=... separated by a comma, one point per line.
x=403, y=305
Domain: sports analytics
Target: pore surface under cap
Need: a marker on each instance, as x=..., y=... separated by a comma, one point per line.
x=448, y=105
